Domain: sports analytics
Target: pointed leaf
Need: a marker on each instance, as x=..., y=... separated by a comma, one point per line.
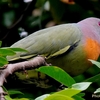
x=65, y=94
x=77, y=97
x=58, y=97
x=42, y=97
x=22, y=99
x=58, y=74
x=6, y=51
x=81, y=86
x=12, y=92
x=3, y=61
x=95, y=62
x=68, y=91
x=7, y=97
x=97, y=90
x=0, y=43
x=93, y=78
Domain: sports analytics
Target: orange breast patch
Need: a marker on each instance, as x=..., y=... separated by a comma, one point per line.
x=92, y=49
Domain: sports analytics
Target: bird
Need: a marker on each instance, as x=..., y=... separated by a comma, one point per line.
x=68, y=46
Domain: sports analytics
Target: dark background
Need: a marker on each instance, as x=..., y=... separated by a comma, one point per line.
x=33, y=16
x=17, y=16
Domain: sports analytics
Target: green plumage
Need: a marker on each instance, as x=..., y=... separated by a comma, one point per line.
x=54, y=42
x=48, y=41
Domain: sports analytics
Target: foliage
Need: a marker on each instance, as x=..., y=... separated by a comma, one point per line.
x=57, y=74
x=31, y=16
x=7, y=51
x=20, y=16
x=72, y=90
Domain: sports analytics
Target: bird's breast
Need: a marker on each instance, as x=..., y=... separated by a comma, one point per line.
x=76, y=62
x=92, y=49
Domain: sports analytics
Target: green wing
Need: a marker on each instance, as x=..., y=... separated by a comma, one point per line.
x=49, y=42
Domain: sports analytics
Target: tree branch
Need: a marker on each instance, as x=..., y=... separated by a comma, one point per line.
x=11, y=68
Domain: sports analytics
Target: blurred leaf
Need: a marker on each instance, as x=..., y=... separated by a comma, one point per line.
x=37, y=21
x=8, y=18
x=58, y=74
x=58, y=9
x=95, y=62
x=7, y=97
x=81, y=94
x=58, y=97
x=22, y=99
x=68, y=91
x=97, y=90
x=40, y=3
x=63, y=94
x=4, y=89
x=95, y=78
x=0, y=43
x=6, y=52
x=3, y=61
x=77, y=97
x=42, y=97
x=12, y=92
x=81, y=86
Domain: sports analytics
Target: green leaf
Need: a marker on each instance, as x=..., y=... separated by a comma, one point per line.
x=6, y=51
x=77, y=97
x=97, y=90
x=81, y=86
x=95, y=78
x=0, y=43
x=7, y=97
x=95, y=63
x=58, y=97
x=18, y=49
x=3, y=61
x=65, y=94
x=69, y=92
x=12, y=92
x=58, y=74
x=42, y=97
x=81, y=94
x=57, y=9
x=22, y=99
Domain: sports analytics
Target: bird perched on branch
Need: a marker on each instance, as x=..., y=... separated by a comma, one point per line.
x=68, y=46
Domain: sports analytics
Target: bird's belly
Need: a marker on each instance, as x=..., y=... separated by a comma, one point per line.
x=74, y=63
